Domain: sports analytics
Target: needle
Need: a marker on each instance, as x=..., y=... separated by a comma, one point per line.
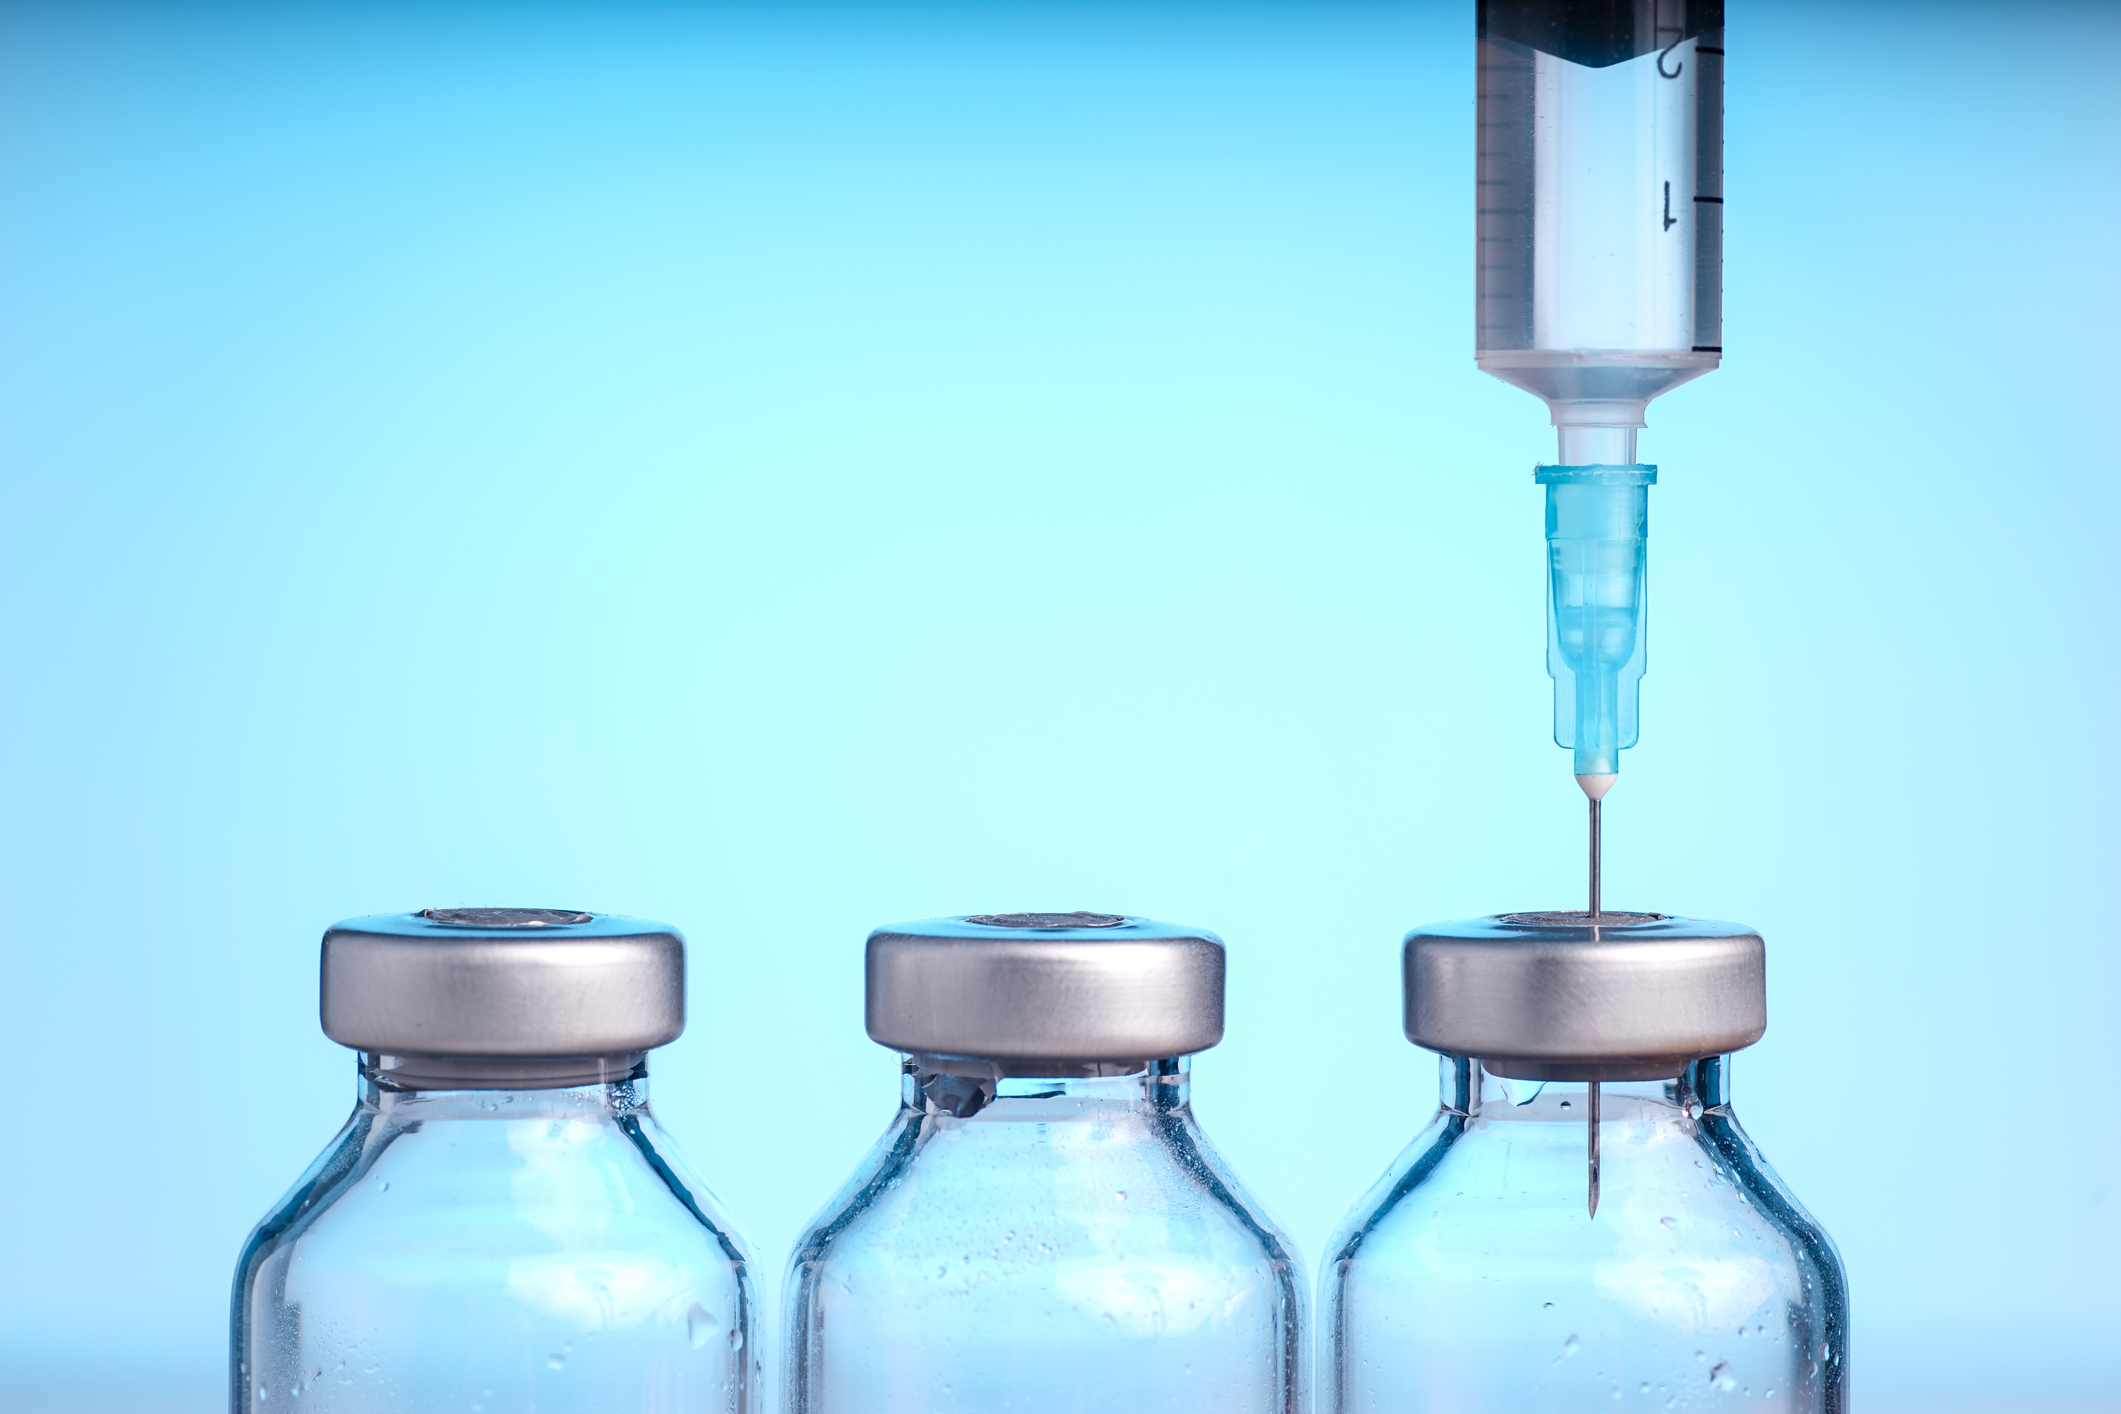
x=1595, y=788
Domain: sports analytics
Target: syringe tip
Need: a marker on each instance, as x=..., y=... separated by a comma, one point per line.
x=1596, y=786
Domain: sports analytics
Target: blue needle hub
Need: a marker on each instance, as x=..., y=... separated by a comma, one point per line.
x=1597, y=607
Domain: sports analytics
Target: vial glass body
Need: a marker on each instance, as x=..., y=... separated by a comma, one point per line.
x=1044, y=1243
x=1472, y=1280
x=494, y=1249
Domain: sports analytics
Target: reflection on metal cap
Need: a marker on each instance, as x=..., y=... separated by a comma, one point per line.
x=1578, y=918
x=505, y=917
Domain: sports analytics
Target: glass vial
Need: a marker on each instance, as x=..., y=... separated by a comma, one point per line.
x=501, y=1225
x=1476, y=1278
x=1044, y=1227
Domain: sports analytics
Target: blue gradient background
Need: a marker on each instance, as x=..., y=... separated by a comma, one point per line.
x=786, y=469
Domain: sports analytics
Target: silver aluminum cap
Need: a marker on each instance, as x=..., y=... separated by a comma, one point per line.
x=1555, y=996
x=514, y=983
x=1045, y=987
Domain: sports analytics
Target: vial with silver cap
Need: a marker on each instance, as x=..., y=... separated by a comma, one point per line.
x=1583, y=1224
x=1044, y=1226
x=501, y=1224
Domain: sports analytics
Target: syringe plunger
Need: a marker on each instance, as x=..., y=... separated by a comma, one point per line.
x=1597, y=608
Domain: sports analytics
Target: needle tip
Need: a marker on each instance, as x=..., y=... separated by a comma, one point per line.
x=1596, y=786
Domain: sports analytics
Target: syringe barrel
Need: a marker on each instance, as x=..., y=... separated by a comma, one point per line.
x=1600, y=200
x=1597, y=607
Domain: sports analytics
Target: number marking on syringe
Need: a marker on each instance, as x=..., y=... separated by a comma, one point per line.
x=1669, y=219
x=1671, y=29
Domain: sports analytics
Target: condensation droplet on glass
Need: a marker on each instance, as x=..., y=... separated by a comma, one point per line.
x=1548, y=1306
x=700, y=1326
x=1720, y=1376
x=736, y=1337
x=1570, y=1347
x=1121, y=1195
x=1693, y=1108
x=1669, y=1222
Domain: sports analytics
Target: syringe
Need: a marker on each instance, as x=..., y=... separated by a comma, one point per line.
x=1600, y=286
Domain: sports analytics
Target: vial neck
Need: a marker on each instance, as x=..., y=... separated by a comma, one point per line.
x=407, y=1072
x=429, y=1087
x=1048, y=1092
x=1465, y=1087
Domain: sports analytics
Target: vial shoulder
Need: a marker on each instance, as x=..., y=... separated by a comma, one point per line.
x=329, y=1174
x=1473, y=1191
x=554, y=1253
x=1130, y=1258
x=938, y=1191
x=464, y=1202
x=1740, y=1163
x=681, y=1181
x=1486, y=1260
x=1385, y=1197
